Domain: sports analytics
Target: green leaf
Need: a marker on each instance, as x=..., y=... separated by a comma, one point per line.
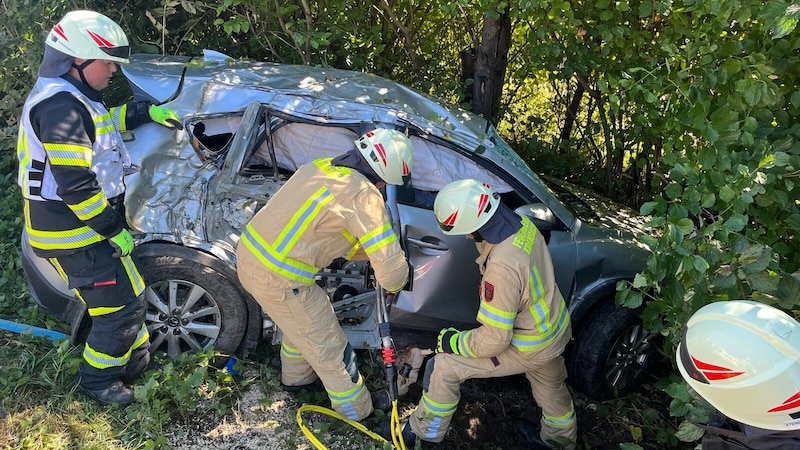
x=629, y=446
x=685, y=225
x=647, y=208
x=735, y=223
x=700, y=264
x=788, y=292
x=673, y=190
x=726, y=194
x=708, y=200
x=688, y=432
x=763, y=282
x=784, y=26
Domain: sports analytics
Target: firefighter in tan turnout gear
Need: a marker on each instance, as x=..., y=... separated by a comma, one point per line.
x=71, y=166
x=524, y=321
x=330, y=208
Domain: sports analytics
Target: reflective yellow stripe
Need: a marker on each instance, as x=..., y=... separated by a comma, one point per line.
x=354, y=241
x=137, y=282
x=24, y=157
x=527, y=342
x=64, y=277
x=59, y=240
x=104, y=124
x=280, y=264
x=436, y=408
x=119, y=115
x=495, y=317
x=103, y=310
x=539, y=309
x=561, y=421
x=344, y=399
x=69, y=155
x=90, y=207
x=141, y=338
x=290, y=352
x=102, y=360
x=378, y=238
x=463, y=344
x=301, y=219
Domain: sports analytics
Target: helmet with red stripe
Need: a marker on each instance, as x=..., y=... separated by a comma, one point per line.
x=389, y=153
x=743, y=357
x=89, y=35
x=464, y=206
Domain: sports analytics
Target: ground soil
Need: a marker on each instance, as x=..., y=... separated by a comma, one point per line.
x=484, y=420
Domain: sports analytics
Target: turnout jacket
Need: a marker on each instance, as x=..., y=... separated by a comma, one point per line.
x=521, y=304
x=71, y=159
x=322, y=213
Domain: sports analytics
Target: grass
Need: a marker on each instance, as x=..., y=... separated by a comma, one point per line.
x=42, y=409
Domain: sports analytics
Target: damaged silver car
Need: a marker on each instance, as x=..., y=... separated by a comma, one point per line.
x=248, y=126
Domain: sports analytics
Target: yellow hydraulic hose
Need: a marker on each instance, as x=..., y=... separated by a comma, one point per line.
x=396, y=428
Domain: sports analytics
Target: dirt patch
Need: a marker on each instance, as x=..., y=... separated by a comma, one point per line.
x=484, y=419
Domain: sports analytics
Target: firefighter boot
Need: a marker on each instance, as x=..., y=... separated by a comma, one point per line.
x=381, y=401
x=529, y=434
x=117, y=393
x=408, y=436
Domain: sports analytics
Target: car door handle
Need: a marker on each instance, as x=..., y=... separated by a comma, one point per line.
x=430, y=243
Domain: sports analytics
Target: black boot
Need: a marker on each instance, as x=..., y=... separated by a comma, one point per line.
x=133, y=374
x=381, y=401
x=408, y=435
x=529, y=434
x=117, y=394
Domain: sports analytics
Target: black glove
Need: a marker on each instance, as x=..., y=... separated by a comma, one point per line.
x=447, y=341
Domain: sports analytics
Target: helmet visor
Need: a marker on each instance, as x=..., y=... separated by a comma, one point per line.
x=123, y=52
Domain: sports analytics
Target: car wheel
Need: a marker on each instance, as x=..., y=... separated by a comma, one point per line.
x=612, y=353
x=191, y=306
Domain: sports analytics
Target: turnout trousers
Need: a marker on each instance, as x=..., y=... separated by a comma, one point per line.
x=112, y=288
x=314, y=344
x=445, y=372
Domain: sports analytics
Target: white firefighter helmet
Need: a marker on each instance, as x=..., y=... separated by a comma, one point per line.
x=89, y=35
x=463, y=206
x=389, y=153
x=743, y=357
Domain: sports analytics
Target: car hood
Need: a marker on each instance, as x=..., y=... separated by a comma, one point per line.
x=596, y=210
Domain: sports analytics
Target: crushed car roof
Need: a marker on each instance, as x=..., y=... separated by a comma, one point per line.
x=216, y=83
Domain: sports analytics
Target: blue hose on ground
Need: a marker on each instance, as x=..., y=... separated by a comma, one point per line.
x=36, y=331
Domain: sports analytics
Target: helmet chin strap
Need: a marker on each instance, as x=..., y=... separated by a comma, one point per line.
x=80, y=70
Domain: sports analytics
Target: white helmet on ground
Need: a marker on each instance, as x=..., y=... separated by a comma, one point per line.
x=463, y=206
x=743, y=357
x=89, y=35
x=389, y=153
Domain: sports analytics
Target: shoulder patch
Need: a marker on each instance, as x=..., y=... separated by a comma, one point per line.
x=488, y=291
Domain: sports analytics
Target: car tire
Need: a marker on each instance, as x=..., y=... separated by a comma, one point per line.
x=611, y=354
x=191, y=305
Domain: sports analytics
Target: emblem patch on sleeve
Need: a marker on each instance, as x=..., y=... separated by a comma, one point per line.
x=488, y=291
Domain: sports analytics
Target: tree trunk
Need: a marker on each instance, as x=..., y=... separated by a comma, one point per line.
x=490, y=65
x=569, y=120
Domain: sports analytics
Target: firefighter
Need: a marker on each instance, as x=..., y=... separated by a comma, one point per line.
x=71, y=165
x=743, y=357
x=329, y=208
x=524, y=321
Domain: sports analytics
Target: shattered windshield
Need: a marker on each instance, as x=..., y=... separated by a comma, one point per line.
x=508, y=153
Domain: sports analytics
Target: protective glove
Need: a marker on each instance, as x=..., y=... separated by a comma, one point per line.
x=447, y=342
x=122, y=243
x=165, y=116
